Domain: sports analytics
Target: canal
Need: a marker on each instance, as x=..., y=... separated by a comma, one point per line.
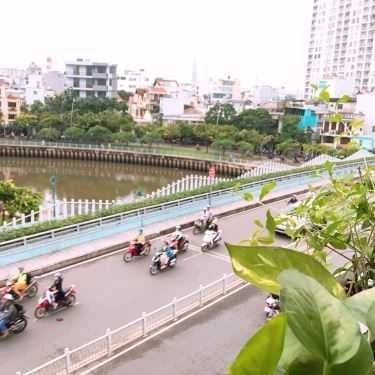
x=87, y=179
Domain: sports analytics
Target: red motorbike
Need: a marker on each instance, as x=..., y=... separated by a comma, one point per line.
x=44, y=308
x=132, y=251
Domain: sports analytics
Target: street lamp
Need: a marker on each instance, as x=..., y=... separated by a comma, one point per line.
x=71, y=113
x=218, y=113
x=140, y=194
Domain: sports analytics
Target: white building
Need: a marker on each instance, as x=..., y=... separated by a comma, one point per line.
x=131, y=80
x=338, y=87
x=34, y=88
x=89, y=78
x=366, y=106
x=342, y=43
x=223, y=90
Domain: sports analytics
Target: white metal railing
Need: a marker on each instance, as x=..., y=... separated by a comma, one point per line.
x=112, y=340
x=116, y=219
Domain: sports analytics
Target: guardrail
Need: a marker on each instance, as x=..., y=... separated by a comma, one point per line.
x=137, y=149
x=113, y=340
x=97, y=224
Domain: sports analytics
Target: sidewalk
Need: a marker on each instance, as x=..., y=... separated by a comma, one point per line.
x=75, y=254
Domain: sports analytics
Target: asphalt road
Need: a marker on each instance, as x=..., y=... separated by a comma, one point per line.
x=112, y=293
x=186, y=349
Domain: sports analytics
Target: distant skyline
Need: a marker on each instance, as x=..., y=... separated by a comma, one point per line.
x=258, y=42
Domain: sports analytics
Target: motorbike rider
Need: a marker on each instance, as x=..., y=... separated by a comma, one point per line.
x=167, y=254
x=8, y=313
x=177, y=237
x=57, y=288
x=20, y=282
x=214, y=228
x=140, y=241
x=206, y=216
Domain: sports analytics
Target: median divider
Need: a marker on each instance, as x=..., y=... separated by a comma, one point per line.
x=113, y=341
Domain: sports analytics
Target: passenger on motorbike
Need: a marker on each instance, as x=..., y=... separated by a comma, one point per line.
x=214, y=228
x=140, y=241
x=57, y=287
x=206, y=216
x=8, y=313
x=20, y=282
x=167, y=253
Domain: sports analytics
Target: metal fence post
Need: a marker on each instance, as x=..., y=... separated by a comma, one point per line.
x=200, y=295
x=67, y=361
x=224, y=283
x=108, y=335
x=174, y=307
x=144, y=324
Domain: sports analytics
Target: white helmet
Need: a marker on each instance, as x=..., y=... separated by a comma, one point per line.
x=57, y=275
x=208, y=207
x=178, y=227
x=8, y=297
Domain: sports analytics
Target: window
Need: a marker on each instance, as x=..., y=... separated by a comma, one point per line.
x=101, y=82
x=76, y=71
x=101, y=69
x=12, y=105
x=89, y=70
x=89, y=84
x=11, y=116
x=75, y=82
x=373, y=129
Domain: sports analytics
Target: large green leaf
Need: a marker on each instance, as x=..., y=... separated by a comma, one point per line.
x=324, y=96
x=266, y=189
x=305, y=364
x=321, y=322
x=261, y=266
x=361, y=305
x=262, y=352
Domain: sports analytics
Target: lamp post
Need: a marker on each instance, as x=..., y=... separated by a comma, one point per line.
x=52, y=181
x=71, y=113
x=211, y=175
x=218, y=113
x=140, y=194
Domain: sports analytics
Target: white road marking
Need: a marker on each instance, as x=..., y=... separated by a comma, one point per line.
x=191, y=257
x=217, y=256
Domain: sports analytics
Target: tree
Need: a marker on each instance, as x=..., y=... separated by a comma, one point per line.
x=151, y=137
x=290, y=130
x=289, y=148
x=172, y=133
x=221, y=114
x=74, y=133
x=204, y=133
x=99, y=134
x=18, y=199
x=124, y=137
x=317, y=331
x=223, y=145
x=245, y=148
x=49, y=134
x=258, y=119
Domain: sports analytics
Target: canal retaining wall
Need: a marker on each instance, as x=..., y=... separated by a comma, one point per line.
x=224, y=168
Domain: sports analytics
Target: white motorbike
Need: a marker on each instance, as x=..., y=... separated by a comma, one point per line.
x=211, y=239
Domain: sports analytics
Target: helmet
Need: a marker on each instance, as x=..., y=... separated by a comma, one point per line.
x=208, y=207
x=21, y=269
x=57, y=275
x=164, y=241
x=8, y=297
x=140, y=230
x=178, y=227
x=214, y=221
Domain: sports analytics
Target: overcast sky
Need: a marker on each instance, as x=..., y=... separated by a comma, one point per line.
x=257, y=41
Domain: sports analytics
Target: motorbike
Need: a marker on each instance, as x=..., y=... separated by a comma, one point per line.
x=211, y=239
x=200, y=226
x=183, y=244
x=156, y=263
x=44, y=308
x=272, y=307
x=132, y=252
x=20, y=323
x=30, y=292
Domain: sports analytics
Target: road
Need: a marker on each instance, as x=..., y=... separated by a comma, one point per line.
x=112, y=293
x=185, y=349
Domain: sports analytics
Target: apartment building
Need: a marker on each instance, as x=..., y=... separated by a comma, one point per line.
x=88, y=78
x=10, y=103
x=131, y=80
x=342, y=43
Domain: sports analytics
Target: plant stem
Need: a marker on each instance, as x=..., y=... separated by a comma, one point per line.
x=325, y=368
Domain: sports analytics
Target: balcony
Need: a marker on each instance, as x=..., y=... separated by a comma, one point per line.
x=100, y=88
x=99, y=75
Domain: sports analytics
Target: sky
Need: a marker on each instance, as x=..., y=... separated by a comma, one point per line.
x=256, y=41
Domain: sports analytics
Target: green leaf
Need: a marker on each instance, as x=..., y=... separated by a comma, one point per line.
x=306, y=363
x=324, y=96
x=266, y=189
x=262, y=266
x=262, y=352
x=343, y=99
x=321, y=322
x=270, y=222
x=356, y=123
x=247, y=196
x=361, y=306
x=258, y=223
